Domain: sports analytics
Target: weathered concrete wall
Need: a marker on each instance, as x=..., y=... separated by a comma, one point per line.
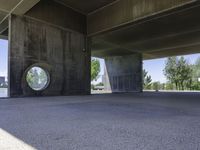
x=64, y=53
x=124, y=73
x=123, y=12
x=57, y=14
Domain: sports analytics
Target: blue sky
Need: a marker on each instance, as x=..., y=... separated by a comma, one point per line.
x=3, y=57
x=154, y=67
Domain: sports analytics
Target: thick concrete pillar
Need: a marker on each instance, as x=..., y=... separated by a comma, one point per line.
x=64, y=53
x=124, y=73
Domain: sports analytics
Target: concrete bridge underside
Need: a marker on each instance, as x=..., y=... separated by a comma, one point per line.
x=62, y=35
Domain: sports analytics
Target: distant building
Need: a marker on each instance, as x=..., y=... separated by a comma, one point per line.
x=2, y=80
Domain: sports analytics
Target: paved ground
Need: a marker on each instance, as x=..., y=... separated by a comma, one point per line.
x=148, y=121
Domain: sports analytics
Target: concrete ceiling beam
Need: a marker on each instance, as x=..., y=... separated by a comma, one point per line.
x=3, y=26
x=125, y=12
x=19, y=7
x=24, y=6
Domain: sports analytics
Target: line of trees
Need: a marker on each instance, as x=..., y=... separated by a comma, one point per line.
x=181, y=75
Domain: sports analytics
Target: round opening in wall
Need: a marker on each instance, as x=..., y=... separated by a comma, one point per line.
x=37, y=78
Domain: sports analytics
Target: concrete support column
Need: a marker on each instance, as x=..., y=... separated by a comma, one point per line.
x=64, y=53
x=124, y=73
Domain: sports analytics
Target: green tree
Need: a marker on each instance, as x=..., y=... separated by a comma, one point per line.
x=156, y=86
x=196, y=75
x=95, y=69
x=169, y=86
x=170, y=70
x=33, y=77
x=162, y=86
x=184, y=73
x=196, y=69
x=178, y=71
x=146, y=80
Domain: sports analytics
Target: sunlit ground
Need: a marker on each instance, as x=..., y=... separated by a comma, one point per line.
x=100, y=92
x=3, y=92
x=10, y=142
x=175, y=91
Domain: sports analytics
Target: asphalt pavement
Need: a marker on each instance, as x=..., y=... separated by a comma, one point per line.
x=134, y=121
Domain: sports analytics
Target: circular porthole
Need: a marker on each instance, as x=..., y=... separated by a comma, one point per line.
x=37, y=78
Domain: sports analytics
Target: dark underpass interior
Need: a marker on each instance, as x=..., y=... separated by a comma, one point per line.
x=50, y=46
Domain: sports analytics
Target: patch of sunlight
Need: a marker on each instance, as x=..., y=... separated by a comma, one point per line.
x=10, y=142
